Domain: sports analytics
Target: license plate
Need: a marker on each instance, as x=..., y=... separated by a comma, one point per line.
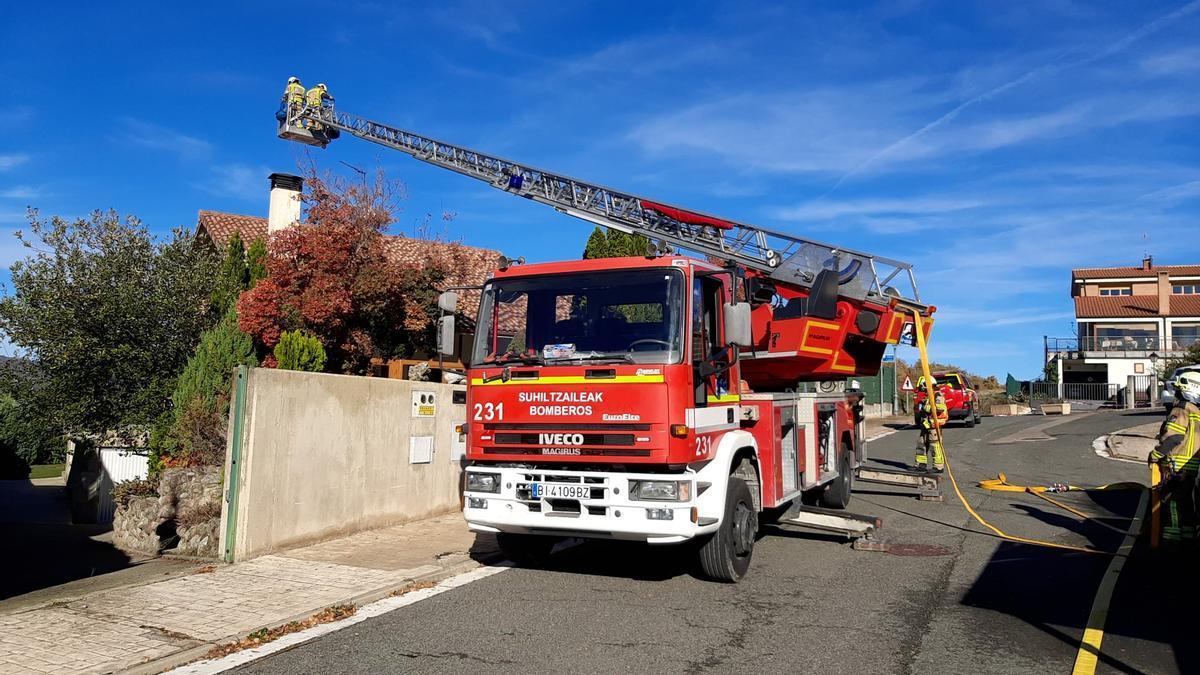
x=560, y=491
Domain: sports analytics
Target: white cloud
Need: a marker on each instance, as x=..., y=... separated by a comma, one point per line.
x=1175, y=193
x=1022, y=318
x=1180, y=61
x=826, y=209
x=821, y=130
x=12, y=161
x=155, y=137
x=241, y=181
x=21, y=192
x=15, y=114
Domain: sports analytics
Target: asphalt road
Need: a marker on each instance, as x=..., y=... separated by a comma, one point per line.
x=961, y=601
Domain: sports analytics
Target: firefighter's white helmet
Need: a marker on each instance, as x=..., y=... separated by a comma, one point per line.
x=1187, y=386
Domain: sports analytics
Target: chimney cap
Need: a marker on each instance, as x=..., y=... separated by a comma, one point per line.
x=1148, y=262
x=286, y=181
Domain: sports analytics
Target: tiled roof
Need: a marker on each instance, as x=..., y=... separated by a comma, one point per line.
x=1133, y=306
x=221, y=226
x=1116, y=307
x=1119, y=272
x=467, y=265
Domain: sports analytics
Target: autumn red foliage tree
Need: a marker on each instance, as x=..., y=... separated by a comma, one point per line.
x=334, y=277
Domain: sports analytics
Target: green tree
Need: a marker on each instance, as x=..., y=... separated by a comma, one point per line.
x=298, y=351
x=1167, y=367
x=606, y=243
x=208, y=374
x=232, y=278
x=108, y=315
x=256, y=262
x=25, y=439
x=192, y=432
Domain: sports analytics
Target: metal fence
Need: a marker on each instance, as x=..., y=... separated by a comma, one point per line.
x=1088, y=395
x=1127, y=345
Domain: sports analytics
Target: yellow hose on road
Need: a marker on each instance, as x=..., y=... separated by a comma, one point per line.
x=1000, y=483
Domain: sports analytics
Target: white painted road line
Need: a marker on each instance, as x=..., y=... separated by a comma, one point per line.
x=370, y=611
x=1100, y=446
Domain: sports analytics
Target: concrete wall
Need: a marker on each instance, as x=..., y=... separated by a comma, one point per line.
x=324, y=455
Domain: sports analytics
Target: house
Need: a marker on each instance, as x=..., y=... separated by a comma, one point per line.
x=471, y=266
x=1127, y=319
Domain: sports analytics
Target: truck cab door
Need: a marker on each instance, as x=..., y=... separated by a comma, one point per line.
x=714, y=367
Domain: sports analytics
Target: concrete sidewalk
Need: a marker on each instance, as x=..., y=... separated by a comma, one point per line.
x=1133, y=443
x=155, y=626
x=879, y=425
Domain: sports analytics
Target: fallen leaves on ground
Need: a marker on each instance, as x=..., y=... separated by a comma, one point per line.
x=415, y=586
x=265, y=635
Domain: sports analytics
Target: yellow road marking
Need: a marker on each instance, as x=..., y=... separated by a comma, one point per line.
x=1089, y=648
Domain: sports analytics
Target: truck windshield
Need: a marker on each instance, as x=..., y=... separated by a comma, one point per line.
x=632, y=316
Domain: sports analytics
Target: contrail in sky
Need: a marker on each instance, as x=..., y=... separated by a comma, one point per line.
x=1053, y=66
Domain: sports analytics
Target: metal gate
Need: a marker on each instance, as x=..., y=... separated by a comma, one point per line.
x=119, y=465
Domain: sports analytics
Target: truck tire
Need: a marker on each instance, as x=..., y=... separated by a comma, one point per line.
x=837, y=493
x=975, y=412
x=970, y=419
x=526, y=550
x=725, y=556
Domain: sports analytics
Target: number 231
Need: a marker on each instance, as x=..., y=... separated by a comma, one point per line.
x=487, y=412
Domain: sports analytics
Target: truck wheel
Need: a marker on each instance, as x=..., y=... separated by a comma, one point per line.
x=837, y=493
x=526, y=550
x=726, y=554
x=970, y=419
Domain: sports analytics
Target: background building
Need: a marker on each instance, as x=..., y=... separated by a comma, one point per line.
x=1127, y=319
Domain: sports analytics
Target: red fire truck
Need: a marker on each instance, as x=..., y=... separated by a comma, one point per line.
x=664, y=399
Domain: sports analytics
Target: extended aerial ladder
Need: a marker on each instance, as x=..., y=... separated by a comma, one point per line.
x=821, y=311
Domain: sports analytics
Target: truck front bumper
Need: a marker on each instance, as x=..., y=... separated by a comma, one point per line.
x=609, y=513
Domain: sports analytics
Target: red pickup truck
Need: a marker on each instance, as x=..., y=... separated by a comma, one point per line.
x=962, y=403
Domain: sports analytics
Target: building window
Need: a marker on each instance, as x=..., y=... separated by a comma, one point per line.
x=1184, y=335
x=1117, y=290
x=1185, y=290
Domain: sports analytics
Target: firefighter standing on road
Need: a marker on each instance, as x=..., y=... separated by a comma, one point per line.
x=930, y=447
x=1177, y=458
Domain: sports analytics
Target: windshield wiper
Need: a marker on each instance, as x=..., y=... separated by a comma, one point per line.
x=527, y=359
x=595, y=356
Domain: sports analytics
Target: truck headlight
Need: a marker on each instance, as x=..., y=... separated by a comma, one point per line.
x=661, y=490
x=483, y=482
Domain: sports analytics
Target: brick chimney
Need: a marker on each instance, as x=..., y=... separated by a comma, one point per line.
x=1148, y=263
x=1164, y=292
x=284, y=210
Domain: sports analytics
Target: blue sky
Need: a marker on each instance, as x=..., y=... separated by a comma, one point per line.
x=994, y=145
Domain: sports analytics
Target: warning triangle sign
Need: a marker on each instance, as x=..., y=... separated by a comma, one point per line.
x=907, y=386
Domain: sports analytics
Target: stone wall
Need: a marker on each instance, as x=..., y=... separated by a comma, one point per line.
x=191, y=497
x=184, y=519
x=135, y=526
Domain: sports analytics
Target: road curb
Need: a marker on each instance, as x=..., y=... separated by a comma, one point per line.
x=197, y=652
x=1103, y=446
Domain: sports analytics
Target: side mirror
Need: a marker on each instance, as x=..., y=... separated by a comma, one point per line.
x=445, y=337
x=737, y=324
x=448, y=302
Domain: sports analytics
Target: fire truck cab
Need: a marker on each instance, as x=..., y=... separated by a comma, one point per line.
x=605, y=400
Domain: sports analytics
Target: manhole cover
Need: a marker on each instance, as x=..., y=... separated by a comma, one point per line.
x=925, y=550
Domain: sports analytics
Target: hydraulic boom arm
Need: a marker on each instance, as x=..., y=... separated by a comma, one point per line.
x=780, y=256
x=820, y=311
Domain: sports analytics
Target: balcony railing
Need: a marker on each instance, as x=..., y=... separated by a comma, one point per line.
x=1127, y=345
